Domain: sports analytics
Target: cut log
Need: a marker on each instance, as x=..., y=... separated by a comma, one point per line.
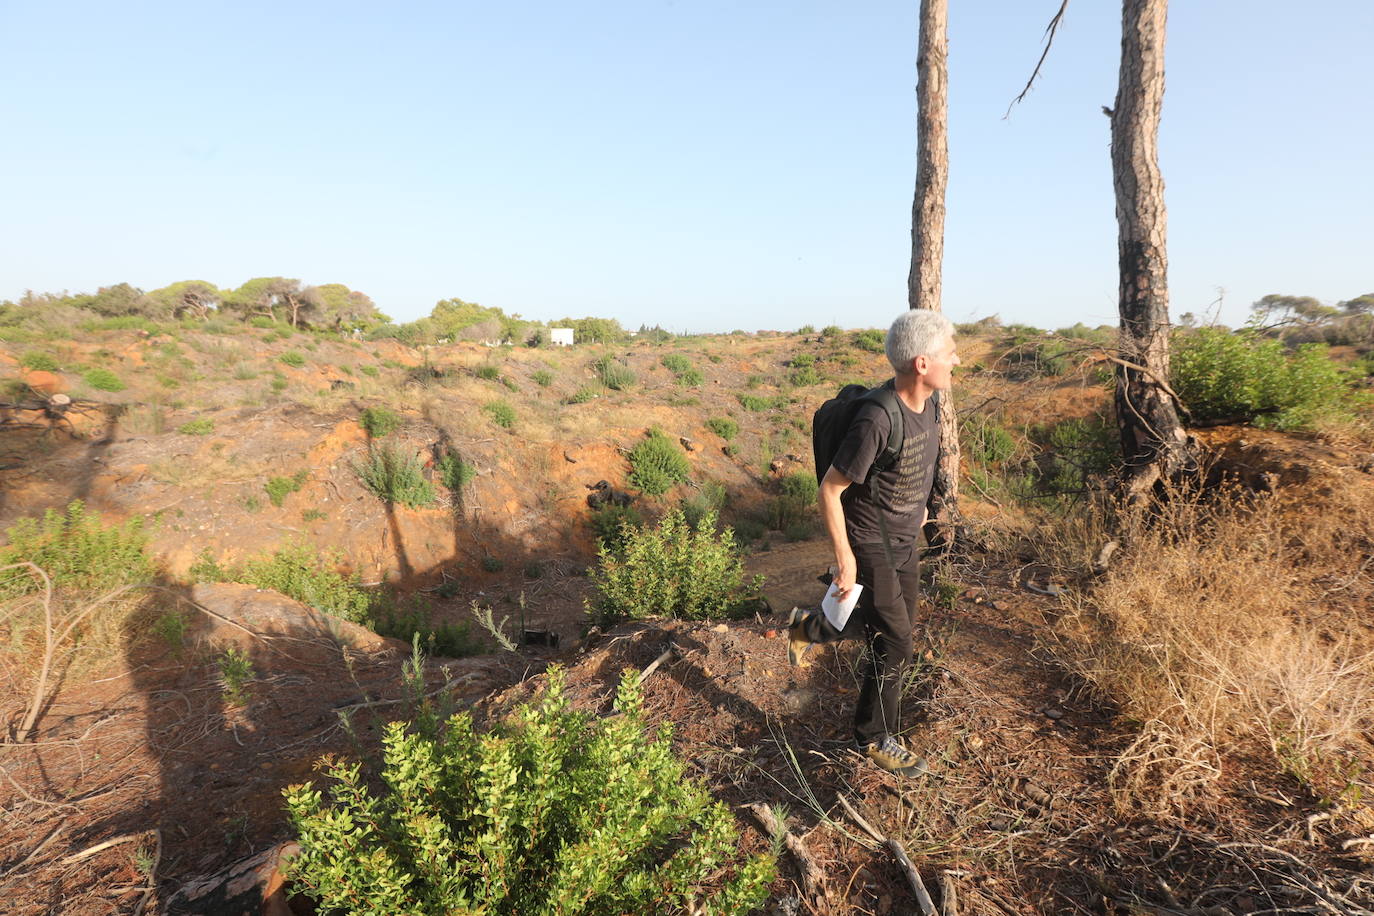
x=253, y=886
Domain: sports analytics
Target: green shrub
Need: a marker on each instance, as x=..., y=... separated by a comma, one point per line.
x=235, y=673
x=1246, y=378
x=493, y=564
x=103, y=380
x=758, y=404
x=279, y=383
x=40, y=361
x=807, y=329
x=412, y=621
x=76, y=551
x=583, y=395
x=802, y=360
x=549, y=811
x=710, y=497
x=395, y=476
x=202, y=427
x=613, y=374
x=985, y=441
x=490, y=373
x=121, y=323
x=657, y=464
x=371, y=371
x=1030, y=355
x=691, y=378
x=793, y=506
x=296, y=571
x=502, y=414
x=278, y=488
x=805, y=377
x=454, y=472
x=724, y=427
x=378, y=422
x=543, y=378
x=292, y=358
x=675, y=569
x=832, y=330
x=612, y=524
x=870, y=339
x=676, y=363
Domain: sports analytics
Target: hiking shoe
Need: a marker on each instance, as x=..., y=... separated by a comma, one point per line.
x=891, y=756
x=797, y=640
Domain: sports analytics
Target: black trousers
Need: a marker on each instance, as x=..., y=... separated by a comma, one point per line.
x=885, y=616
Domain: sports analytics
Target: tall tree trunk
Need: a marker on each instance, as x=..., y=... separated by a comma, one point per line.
x=1153, y=443
x=928, y=224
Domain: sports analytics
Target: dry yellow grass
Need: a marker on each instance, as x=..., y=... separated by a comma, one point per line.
x=1217, y=628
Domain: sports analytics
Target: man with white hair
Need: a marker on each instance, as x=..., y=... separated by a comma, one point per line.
x=874, y=516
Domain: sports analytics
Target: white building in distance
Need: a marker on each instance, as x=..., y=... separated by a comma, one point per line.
x=561, y=337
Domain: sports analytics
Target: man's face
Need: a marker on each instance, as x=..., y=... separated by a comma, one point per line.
x=940, y=364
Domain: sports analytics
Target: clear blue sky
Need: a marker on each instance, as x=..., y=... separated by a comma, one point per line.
x=700, y=164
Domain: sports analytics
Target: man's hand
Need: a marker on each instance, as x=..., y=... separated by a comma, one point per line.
x=847, y=572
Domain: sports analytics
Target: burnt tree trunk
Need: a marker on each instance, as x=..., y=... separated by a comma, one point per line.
x=1153, y=444
x=928, y=223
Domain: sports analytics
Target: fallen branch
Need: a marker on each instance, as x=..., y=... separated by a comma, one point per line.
x=949, y=893
x=913, y=878
x=100, y=847
x=812, y=876
x=653, y=665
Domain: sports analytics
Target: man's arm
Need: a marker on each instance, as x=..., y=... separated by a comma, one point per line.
x=832, y=514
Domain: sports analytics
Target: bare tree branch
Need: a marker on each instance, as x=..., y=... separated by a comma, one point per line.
x=1050, y=30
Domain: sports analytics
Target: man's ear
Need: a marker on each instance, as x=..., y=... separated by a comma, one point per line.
x=921, y=365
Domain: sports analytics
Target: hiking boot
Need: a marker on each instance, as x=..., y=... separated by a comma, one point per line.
x=797, y=640
x=891, y=756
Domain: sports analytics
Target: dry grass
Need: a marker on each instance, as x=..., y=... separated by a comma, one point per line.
x=1214, y=629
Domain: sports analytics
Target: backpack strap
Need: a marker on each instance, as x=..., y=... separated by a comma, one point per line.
x=886, y=397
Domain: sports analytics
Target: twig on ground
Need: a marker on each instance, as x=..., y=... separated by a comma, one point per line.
x=100, y=847
x=653, y=665
x=949, y=892
x=35, y=851
x=918, y=887
x=152, y=875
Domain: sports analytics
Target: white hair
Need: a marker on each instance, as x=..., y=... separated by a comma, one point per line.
x=916, y=332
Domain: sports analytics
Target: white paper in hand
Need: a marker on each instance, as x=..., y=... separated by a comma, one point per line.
x=836, y=611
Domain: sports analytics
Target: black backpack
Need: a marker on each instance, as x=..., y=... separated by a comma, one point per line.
x=832, y=421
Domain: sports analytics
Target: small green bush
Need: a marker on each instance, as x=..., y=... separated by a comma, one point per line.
x=657, y=464
x=985, y=441
x=613, y=374
x=412, y=621
x=493, y=564
x=807, y=329
x=802, y=360
x=805, y=377
x=454, y=472
x=235, y=673
x=724, y=427
x=279, y=383
x=278, y=488
x=371, y=371
x=502, y=414
x=543, y=378
x=870, y=339
x=76, y=551
x=709, y=497
x=612, y=523
x=296, y=571
x=793, y=506
x=395, y=476
x=832, y=330
x=676, y=569
x=490, y=373
x=292, y=358
x=758, y=404
x=379, y=422
x=691, y=378
x=676, y=363
x=549, y=811
x=40, y=361
x=583, y=395
x=103, y=380
x=202, y=427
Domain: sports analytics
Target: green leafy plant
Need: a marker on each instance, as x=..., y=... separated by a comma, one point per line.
x=454, y=472
x=501, y=413
x=792, y=507
x=379, y=422
x=657, y=464
x=551, y=811
x=724, y=427
x=676, y=363
x=613, y=373
x=488, y=372
x=293, y=359
x=235, y=673
x=805, y=377
x=493, y=564
x=103, y=380
x=610, y=522
x=675, y=569
x=831, y=331
x=543, y=378
x=202, y=427
x=759, y=404
x=296, y=571
x=584, y=394
x=370, y=371
x=709, y=497
x=314, y=515
x=40, y=361
x=691, y=378
x=171, y=627
x=984, y=440
x=870, y=339
x=278, y=488
x=76, y=550
x=395, y=476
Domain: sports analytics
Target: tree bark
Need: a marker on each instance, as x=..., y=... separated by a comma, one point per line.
x=1154, y=446
x=928, y=223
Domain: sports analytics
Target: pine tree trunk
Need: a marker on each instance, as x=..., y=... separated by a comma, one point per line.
x=1153, y=444
x=928, y=221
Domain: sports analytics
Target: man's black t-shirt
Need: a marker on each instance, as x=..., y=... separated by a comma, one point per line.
x=897, y=496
